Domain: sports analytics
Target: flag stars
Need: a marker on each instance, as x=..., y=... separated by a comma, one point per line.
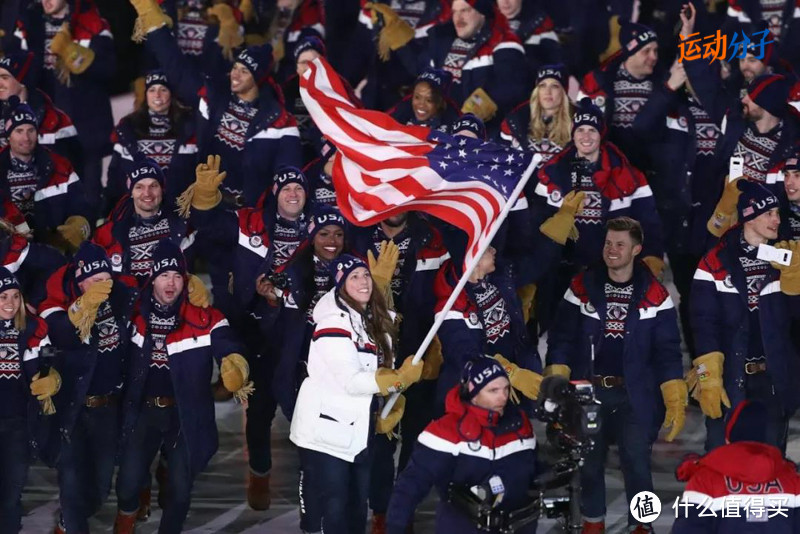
x=462, y=142
x=494, y=167
x=508, y=172
x=443, y=164
x=462, y=153
x=510, y=158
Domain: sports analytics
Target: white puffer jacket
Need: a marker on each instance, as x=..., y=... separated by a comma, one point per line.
x=332, y=413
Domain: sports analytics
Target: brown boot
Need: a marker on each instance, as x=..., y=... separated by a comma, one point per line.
x=258, y=496
x=378, y=524
x=161, y=478
x=144, y=505
x=125, y=523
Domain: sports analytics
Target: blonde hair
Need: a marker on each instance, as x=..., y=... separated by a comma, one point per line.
x=21, y=317
x=559, y=130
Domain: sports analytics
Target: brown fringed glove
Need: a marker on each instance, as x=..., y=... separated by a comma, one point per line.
x=204, y=193
x=527, y=296
x=725, y=214
x=382, y=269
x=398, y=380
x=386, y=426
x=675, y=396
x=44, y=389
x=561, y=226
x=83, y=312
x=72, y=57
x=75, y=230
x=149, y=17
x=235, y=372
x=557, y=369
x=704, y=382
x=524, y=380
x=432, y=361
x=655, y=264
x=230, y=36
x=198, y=292
x=395, y=33
x=790, y=274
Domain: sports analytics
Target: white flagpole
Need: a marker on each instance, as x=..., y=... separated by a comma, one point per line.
x=470, y=267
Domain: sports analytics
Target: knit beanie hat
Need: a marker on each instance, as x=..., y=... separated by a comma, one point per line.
x=754, y=200
x=17, y=114
x=771, y=92
x=556, y=72
x=485, y=7
x=89, y=260
x=470, y=122
x=588, y=114
x=156, y=77
x=18, y=64
x=633, y=37
x=141, y=168
x=7, y=280
x=343, y=266
x=324, y=216
x=288, y=175
x=479, y=372
x=311, y=42
x=168, y=256
x=747, y=422
x=437, y=78
x=258, y=60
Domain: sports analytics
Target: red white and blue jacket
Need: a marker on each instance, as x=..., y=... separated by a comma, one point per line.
x=78, y=358
x=494, y=64
x=624, y=191
x=201, y=337
x=743, y=487
x=651, y=348
x=538, y=35
x=86, y=98
x=467, y=446
x=462, y=332
x=59, y=193
x=31, y=263
x=720, y=321
x=272, y=139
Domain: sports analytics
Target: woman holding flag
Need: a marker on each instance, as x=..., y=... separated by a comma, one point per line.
x=349, y=369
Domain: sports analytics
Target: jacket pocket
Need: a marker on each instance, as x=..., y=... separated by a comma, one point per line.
x=336, y=426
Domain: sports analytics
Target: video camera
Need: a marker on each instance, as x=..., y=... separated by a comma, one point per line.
x=572, y=414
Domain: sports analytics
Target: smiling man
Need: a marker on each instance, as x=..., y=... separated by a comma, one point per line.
x=629, y=316
x=790, y=212
x=742, y=322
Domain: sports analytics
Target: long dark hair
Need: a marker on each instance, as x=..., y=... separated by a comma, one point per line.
x=178, y=115
x=381, y=328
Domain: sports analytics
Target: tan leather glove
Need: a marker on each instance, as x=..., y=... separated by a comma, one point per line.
x=432, y=361
x=557, y=369
x=790, y=274
x=382, y=269
x=72, y=57
x=230, y=37
x=480, y=104
x=524, y=380
x=198, y=292
x=675, y=396
x=398, y=380
x=150, y=17
x=386, y=426
x=83, y=312
x=395, y=32
x=44, y=388
x=204, y=193
x=75, y=230
x=725, y=214
x=527, y=295
x=247, y=9
x=234, y=372
x=561, y=226
x=655, y=264
x=705, y=383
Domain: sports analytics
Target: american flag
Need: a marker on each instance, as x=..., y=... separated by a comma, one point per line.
x=383, y=168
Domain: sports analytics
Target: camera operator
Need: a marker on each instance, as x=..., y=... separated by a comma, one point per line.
x=744, y=486
x=629, y=316
x=483, y=449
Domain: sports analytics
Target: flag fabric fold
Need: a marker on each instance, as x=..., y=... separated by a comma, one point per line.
x=383, y=168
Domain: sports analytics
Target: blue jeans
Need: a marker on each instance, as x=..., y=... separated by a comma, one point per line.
x=342, y=488
x=157, y=427
x=261, y=408
x=635, y=448
x=756, y=387
x=382, y=473
x=14, y=460
x=309, y=494
x=86, y=465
